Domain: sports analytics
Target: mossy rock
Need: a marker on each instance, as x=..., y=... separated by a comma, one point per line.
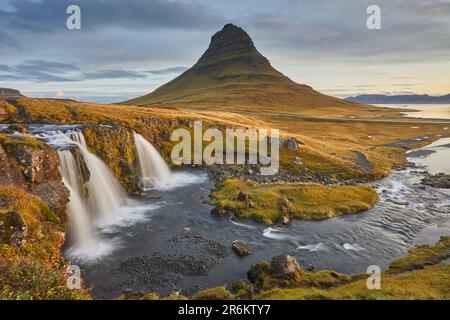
x=217, y=293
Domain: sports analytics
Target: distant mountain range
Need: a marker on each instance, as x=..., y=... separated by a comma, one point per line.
x=399, y=99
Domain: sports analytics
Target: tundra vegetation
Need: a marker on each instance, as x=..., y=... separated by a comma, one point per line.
x=331, y=157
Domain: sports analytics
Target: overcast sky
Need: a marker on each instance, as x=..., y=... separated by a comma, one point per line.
x=127, y=48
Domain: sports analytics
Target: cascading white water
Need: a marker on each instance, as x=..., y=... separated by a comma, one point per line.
x=105, y=194
x=154, y=171
x=80, y=228
x=93, y=203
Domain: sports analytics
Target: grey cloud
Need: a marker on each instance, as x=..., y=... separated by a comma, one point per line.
x=167, y=70
x=5, y=68
x=39, y=71
x=50, y=15
x=44, y=65
x=51, y=71
x=410, y=30
x=113, y=74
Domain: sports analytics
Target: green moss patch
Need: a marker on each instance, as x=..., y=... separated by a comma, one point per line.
x=269, y=202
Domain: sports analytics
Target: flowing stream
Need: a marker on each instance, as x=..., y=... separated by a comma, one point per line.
x=170, y=241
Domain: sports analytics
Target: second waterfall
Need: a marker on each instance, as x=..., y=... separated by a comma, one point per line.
x=154, y=171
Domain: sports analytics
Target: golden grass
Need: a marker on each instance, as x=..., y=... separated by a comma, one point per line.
x=430, y=283
x=35, y=270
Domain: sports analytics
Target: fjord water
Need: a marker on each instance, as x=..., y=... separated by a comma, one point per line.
x=425, y=111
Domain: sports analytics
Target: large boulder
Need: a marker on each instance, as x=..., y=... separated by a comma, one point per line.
x=284, y=265
x=243, y=196
x=291, y=143
x=13, y=229
x=241, y=248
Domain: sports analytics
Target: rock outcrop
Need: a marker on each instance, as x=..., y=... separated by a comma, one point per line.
x=13, y=229
x=284, y=265
x=31, y=165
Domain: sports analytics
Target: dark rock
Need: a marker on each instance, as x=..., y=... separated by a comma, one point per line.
x=13, y=229
x=242, y=196
x=291, y=143
x=17, y=128
x=216, y=211
x=241, y=248
x=441, y=181
x=284, y=265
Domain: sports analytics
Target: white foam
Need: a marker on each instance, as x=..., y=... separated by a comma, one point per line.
x=277, y=234
x=353, y=247
x=313, y=247
x=242, y=224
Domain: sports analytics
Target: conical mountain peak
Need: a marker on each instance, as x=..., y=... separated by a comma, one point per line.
x=231, y=45
x=233, y=75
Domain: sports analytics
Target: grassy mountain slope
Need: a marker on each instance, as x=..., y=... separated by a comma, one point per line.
x=233, y=75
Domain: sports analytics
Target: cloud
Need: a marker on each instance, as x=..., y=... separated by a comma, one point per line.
x=113, y=74
x=167, y=70
x=5, y=68
x=44, y=66
x=51, y=71
x=50, y=15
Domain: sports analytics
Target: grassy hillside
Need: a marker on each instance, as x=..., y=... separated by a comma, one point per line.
x=233, y=75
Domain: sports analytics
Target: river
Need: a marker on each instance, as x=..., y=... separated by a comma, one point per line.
x=176, y=246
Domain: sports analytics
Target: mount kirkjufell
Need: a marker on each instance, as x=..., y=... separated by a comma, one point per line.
x=233, y=75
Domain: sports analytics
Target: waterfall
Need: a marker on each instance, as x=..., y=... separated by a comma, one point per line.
x=105, y=194
x=154, y=171
x=95, y=201
x=80, y=229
